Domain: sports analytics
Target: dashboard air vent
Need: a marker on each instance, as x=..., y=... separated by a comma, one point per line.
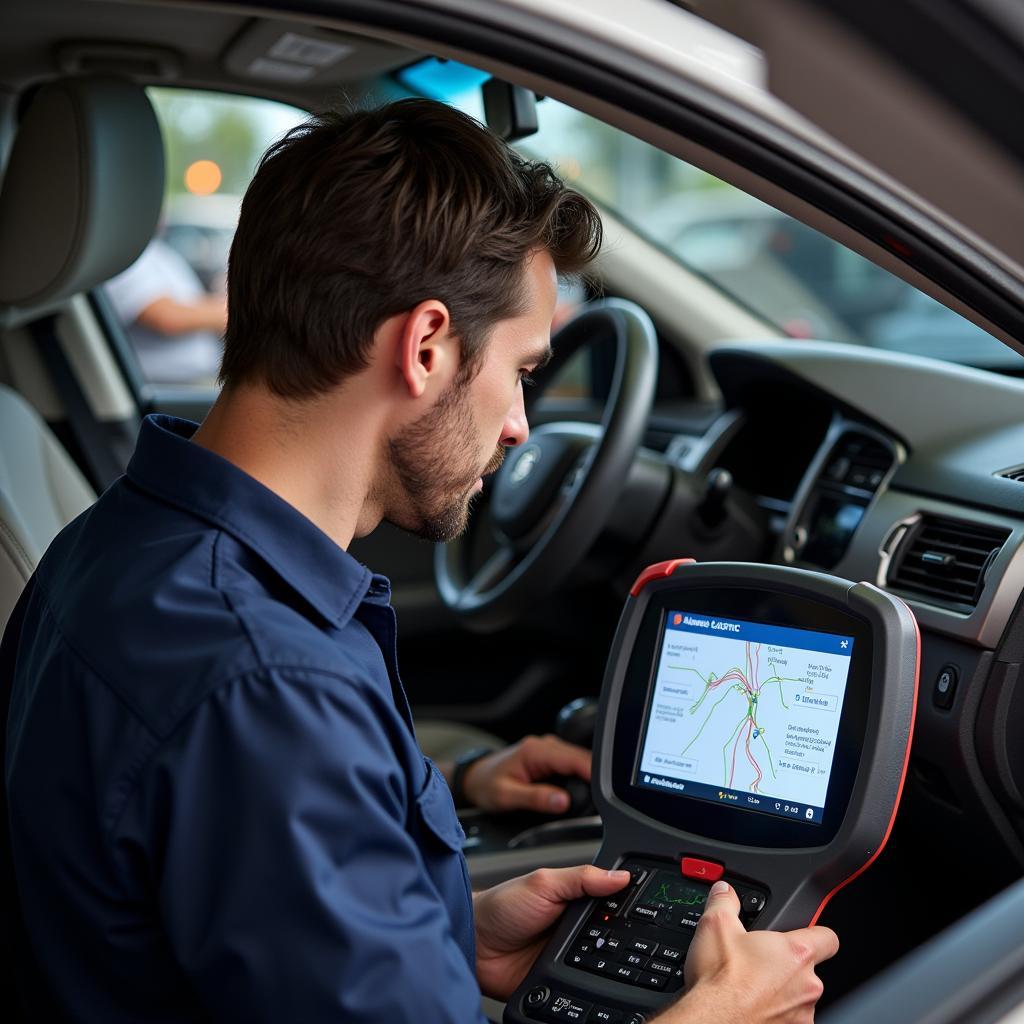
x=1017, y=473
x=946, y=560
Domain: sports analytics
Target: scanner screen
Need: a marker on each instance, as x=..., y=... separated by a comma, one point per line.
x=745, y=714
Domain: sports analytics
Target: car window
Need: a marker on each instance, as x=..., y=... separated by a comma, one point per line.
x=789, y=274
x=171, y=301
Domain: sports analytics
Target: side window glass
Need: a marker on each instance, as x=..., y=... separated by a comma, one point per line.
x=792, y=276
x=574, y=379
x=171, y=302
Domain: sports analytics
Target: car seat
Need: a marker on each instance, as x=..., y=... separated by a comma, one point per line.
x=79, y=201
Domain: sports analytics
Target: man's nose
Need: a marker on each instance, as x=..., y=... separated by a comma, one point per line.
x=515, y=429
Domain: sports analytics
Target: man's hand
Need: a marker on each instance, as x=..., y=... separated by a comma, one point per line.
x=512, y=919
x=508, y=780
x=738, y=977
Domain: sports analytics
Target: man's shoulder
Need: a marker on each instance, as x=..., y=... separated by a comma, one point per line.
x=164, y=607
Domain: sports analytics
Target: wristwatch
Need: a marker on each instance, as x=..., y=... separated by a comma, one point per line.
x=462, y=765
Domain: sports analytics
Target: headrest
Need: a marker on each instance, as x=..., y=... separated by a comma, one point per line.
x=82, y=191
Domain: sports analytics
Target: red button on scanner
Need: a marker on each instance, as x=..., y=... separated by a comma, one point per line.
x=705, y=870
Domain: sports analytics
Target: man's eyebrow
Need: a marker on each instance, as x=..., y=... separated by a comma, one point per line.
x=541, y=358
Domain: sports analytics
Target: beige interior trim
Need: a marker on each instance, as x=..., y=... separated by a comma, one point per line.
x=92, y=360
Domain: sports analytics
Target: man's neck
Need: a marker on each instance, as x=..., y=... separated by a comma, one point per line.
x=297, y=449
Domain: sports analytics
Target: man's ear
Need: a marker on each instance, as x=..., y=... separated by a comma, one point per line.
x=427, y=354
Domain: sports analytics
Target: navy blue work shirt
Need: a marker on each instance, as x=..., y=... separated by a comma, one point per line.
x=217, y=805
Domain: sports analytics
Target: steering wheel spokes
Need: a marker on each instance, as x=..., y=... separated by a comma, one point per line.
x=552, y=497
x=537, y=474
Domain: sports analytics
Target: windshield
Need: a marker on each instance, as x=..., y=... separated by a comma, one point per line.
x=791, y=275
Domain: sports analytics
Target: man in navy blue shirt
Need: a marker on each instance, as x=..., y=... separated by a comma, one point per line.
x=217, y=805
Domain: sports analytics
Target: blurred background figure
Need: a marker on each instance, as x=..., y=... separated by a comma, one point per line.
x=171, y=301
x=173, y=322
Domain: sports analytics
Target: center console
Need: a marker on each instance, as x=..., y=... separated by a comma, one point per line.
x=754, y=725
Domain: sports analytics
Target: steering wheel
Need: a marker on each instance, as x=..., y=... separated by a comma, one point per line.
x=553, y=495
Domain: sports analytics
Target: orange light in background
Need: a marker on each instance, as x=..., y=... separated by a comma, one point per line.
x=202, y=177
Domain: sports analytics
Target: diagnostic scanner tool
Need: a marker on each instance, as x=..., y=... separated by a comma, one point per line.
x=755, y=725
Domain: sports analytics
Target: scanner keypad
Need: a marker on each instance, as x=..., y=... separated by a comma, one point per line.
x=621, y=940
x=641, y=936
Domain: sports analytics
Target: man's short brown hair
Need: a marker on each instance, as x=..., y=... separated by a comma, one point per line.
x=354, y=217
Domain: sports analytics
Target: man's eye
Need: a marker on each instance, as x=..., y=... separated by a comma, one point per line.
x=525, y=379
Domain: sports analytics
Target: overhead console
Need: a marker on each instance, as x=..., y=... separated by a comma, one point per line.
x=755, y=724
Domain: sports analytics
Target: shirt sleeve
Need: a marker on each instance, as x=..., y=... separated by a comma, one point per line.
x=289, y=885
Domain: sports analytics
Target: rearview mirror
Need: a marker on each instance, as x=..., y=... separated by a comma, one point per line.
x=509, y=110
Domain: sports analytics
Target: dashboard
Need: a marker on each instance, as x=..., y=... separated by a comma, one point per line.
x=878, y=466
x=908, y=473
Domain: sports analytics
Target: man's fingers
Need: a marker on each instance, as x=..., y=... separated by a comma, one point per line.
x=534, y=796
x=819, y=942
x=601, y=882
x=723, y=899
x=566, y=884
x=549, y=755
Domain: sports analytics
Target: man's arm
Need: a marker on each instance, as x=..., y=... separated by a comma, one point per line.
x=171, y=317
x=145, y=294
x=289, y=888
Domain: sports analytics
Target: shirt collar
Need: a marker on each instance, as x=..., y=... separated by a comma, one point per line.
x=168, y=465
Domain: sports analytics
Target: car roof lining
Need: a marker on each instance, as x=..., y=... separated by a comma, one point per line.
x=28, y=45
x=30, y=49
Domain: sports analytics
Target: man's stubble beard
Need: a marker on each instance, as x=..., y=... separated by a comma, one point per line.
x=435, y=463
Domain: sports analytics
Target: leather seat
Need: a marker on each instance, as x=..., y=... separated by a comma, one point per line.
x=41, y=491
x=79, y=201
x=80, y=198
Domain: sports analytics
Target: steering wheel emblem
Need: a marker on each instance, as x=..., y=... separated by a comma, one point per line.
x=528, y=458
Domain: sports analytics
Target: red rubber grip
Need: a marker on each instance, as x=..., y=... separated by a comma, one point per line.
x=658, y=571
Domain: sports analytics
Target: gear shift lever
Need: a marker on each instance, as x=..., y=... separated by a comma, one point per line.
x=712, y=511
x=576, y=721
x=575, y=724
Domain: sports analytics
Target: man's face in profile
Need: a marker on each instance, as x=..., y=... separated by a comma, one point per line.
x=440, y=458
